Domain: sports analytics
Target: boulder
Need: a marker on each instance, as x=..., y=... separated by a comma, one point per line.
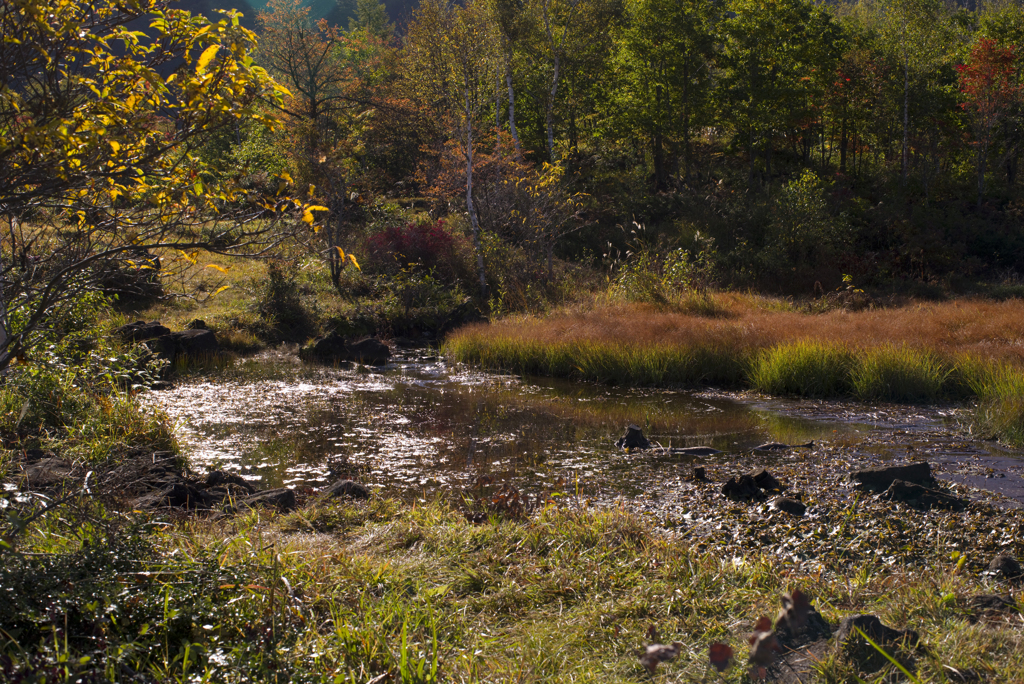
x=369, y=350
x=196, y=344
x=140, y=331
x=788, y=505
x=880, y=479
x=744, y=488
x=921, y=497
x=698, y=474
x=633, y=439
x=348, y=488
x=803, y=637
x=218, y=479
x=896, y=642
x=767, y=481
x=1004, y=566
x=282, y=499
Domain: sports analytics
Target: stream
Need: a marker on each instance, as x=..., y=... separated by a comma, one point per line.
x=420, y=425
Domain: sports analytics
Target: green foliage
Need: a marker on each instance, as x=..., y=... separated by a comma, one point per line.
x=803, y=232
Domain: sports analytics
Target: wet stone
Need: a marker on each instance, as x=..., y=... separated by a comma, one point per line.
x=141, y=330
x=744, y=488
x=921, y=497
x=698, y=474
x=880, y=479
x=633, y=439
x=767, y=481
x=282, y=499
x=788, y=505
x=347, y=488
x=370, y=351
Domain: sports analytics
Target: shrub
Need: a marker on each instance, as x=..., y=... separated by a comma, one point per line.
x=426, y=245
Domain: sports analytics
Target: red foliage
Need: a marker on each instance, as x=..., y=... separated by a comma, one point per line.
x=425, y=244
x=989, y=82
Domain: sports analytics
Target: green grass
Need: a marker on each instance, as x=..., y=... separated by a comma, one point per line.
x=805, y=368
x=348, y=592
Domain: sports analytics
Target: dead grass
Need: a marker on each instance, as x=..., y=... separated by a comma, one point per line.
x=986, y=329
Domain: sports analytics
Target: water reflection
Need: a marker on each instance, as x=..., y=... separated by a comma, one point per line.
x=423, y=425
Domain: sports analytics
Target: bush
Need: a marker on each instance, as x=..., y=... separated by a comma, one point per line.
x=424, y=245
x=285, y=314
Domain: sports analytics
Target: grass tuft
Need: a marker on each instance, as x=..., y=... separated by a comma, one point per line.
x=898, y=373
x=806, y=368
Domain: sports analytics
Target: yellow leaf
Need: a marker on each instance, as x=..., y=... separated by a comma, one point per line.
x=114, y=145
x=205, y=58
x=307, y=215
x=354, y=262
x=341, y=252
x=287, y=177
x=220, y=289
x=219, y=268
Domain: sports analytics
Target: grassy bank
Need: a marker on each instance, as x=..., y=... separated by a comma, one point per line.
x=955, y=351
x=349, y=592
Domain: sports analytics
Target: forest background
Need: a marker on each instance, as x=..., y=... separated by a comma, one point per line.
x=789, y=142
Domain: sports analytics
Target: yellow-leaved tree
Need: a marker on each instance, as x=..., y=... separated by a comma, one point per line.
x=103, y=106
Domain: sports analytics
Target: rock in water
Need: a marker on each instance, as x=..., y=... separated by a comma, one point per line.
x=194, y=344
x=767, y=481
x=921, y=497
x=633, y=439
x=369, y=350
x=695, y=451
x=779, y=446
x=879, y=479
x=348, y=488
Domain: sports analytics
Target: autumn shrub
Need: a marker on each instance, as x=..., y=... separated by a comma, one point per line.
x=422, y=245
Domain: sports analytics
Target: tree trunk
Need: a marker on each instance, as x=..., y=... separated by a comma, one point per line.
x=512, y=111
x=843, y=142
x=906, y=116
x=470, y=207
x=550, y=109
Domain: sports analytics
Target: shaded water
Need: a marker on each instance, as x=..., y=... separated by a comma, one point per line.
x=420, y=425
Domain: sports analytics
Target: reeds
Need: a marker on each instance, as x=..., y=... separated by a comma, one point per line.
x=952, y=352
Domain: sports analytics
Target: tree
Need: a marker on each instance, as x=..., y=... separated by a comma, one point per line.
x=99, y=124
x=451, y=68
x=991, y=86
x=329, y=76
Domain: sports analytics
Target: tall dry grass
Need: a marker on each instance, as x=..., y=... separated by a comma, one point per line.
x=968, y=349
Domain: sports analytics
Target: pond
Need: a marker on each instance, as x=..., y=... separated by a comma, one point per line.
x=421, y=425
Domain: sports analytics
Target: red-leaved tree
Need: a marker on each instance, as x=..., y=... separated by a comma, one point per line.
x=990, y=84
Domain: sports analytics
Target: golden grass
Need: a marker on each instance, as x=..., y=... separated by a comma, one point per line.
x=985, y=329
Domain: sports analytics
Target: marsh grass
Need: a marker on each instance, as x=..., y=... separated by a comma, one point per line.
x=349, y=592
x=961, y=351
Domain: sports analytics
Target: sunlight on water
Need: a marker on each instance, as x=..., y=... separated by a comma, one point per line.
x=423, y=426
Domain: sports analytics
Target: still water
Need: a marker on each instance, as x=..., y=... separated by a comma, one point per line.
x=420, y=425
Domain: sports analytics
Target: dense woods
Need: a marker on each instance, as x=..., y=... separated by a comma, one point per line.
x=802, y=141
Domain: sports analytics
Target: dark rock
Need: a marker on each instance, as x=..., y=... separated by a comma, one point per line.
x=348, y=488
x=896, y=642
x=880, y=479
x=195, y=344
x=134, y=277
x=1004, y=566
x=196, y=324
x=745, y=488
x=767, y=481
x=699, y=474
x=222, y=480
x=174, y=493
x=921, y=497
x=991, y=605
x=369, y=350
x=633, y=439
x=282, y=499
x=140, y=331
x=407, y=343
x=46, y=473
x=332, y=347
x=37, y=454
x=791, y=506
x=801, y=647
